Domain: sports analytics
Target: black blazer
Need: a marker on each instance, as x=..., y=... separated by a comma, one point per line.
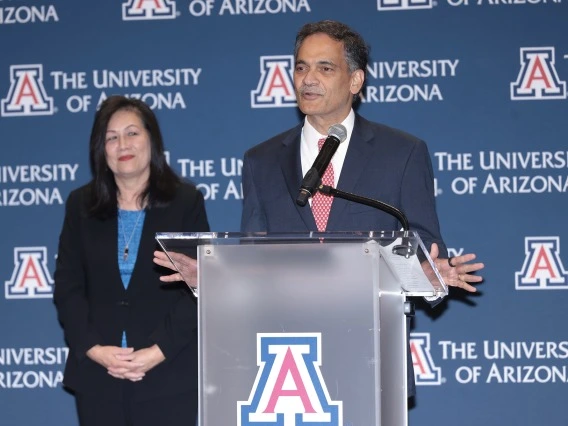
x=94, y=308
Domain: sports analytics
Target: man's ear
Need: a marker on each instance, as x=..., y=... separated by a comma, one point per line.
x=357, y=80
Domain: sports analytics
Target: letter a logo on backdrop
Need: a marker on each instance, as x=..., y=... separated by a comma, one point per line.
x=543, y=268
x=289, y=388
x=537, y=78
x=275, y=87
x=133, y=10
x=26, y=95
x=425, y=371
x=403, y=4
x=30, y=278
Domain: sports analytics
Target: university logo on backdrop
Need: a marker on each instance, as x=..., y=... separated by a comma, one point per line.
x=133, y=10
x=289, y=388
x=403, y=4
x=425, y=370
x=27, y=14
x=276, y=85
x=538, y=79
x=83, y=91
x=26, y=95
x=30, y=278
x=542, y=268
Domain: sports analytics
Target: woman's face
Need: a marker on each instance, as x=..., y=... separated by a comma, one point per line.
x=127, y=146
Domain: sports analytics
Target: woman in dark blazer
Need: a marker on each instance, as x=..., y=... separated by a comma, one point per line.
x=132, y=338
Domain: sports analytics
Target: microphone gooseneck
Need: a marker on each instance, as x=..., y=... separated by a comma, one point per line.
x=404, y=248
x=312, y=183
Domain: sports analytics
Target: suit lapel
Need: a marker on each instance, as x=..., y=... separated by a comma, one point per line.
x=291, y=165
x=103, y=244
x=356, y=160
x=147, y=245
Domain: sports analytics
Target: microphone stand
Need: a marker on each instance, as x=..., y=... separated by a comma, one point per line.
x=403, y=249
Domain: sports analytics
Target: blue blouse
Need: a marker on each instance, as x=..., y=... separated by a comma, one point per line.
x=130, y=224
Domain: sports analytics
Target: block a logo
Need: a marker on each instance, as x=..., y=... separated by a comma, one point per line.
x=289, y=388
x=537, y=79
x=543, y=268
x=276, y=86
x=134, y=10
x=26, y=95
x=425, y=371
x=403, y=4
x=30, y=278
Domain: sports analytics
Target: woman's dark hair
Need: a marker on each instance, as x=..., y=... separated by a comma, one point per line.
x=163, y=181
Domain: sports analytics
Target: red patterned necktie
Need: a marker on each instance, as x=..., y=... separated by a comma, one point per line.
x=321, y=204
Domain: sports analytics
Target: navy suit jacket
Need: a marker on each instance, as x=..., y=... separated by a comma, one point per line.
x=382, y=163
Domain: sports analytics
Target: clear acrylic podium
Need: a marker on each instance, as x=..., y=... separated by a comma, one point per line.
x=305, y=329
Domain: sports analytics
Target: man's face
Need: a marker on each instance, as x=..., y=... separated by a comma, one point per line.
x=323, y=83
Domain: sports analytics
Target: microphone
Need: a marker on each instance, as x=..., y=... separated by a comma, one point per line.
x=335, y=135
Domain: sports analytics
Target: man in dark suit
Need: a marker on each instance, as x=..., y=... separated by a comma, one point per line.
x=374, y=161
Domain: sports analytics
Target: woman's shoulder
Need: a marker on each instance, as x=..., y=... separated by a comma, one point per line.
x=79, y=196
x=186, y=190
x=184, y=195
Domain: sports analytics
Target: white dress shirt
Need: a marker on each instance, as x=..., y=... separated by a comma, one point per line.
x=309, y=149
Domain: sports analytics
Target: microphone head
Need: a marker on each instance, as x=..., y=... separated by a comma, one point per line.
x=339, y=131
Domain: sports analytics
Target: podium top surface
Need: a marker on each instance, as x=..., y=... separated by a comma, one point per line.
x=217, y=238
x=403, y=252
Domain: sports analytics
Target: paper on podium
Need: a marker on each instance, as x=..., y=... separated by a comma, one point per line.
x=416, y=277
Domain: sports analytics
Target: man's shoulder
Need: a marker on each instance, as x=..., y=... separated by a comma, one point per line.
x=385, y=132
x=269, y=145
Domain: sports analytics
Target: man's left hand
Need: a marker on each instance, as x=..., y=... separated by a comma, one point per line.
x=458, y=271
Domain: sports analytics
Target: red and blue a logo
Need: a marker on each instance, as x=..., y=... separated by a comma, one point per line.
x=425, y=371
x=26, y=95
x=276, y=85
x=289, y=388
x=537, y=78
x=133, y=10
x=403, y=4
x=542, y=269
x=31, y=278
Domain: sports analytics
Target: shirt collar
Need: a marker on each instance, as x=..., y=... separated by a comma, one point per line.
x=311, y=135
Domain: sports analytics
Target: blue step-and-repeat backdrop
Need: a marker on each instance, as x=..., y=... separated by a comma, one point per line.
x=483, y=82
